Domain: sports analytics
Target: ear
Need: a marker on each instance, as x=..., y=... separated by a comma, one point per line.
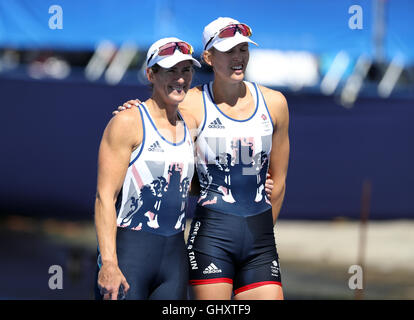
x=207, y=57
x=150, y=75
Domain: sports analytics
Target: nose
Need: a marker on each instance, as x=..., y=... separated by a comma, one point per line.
x=236, y=60
x=180, y=79
x=182, y=76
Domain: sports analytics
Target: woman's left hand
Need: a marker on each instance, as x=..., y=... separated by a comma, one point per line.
x=269, y=186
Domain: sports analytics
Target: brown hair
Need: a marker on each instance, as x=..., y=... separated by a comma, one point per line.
x=155, y=68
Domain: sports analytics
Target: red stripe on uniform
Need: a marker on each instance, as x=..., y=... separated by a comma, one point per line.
x=137, y=176
x=255, y=285
x=209, y=281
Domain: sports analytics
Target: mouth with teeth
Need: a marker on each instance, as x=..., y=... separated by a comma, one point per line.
x=238, y=68
x=178, y=89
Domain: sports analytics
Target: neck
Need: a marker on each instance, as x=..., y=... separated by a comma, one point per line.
x=162, y=110
x=228, y=92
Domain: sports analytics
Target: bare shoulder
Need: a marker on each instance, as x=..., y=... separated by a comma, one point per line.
x=128, y=117
x=277, y=104
x=126, y=126
x=274, y=98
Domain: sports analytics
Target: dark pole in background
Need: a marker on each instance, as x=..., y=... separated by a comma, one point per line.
x=379, y=30
x=365, y=208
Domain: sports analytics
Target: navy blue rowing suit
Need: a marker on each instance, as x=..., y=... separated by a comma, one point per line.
x=151, y=216
x=231, y=238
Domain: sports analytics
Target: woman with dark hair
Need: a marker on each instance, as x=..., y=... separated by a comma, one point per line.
x=145, y=160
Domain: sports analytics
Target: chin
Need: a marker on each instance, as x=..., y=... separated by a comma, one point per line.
x=174, y=95
x=176, y=99
x=237, y=77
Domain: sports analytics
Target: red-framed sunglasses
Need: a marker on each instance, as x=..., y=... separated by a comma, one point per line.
x=168, y=49
x=230, y=30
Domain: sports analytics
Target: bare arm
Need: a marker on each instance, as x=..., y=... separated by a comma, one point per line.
x=120, y=137
x=279, y=156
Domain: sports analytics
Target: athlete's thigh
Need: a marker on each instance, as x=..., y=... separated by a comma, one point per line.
x=132, y=272
x=213, y=244
x=261, y=281
x=211, y=277
x=210, y=254
x=173, y=277
x=175, y=288
x=259, y=272
x=213, y=291
x=264, y=292
x=137, y=254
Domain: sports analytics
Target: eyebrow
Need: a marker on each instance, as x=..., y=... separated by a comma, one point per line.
x=175, y=68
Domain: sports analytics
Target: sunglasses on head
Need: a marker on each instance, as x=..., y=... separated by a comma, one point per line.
x=168, y=49
x=230, y=30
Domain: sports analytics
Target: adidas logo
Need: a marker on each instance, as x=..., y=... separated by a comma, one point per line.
x=211, y=269
x=216, y=124
x=156, y=147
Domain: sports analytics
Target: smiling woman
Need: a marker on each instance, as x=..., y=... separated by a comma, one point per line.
x=141, y=197
x=170, y=85
x=231, y=244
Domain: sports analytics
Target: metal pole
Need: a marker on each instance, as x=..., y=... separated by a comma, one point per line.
x=379, y=28
x=365, y=208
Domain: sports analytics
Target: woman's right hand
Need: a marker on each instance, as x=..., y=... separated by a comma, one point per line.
x=127, y=105
x=110, y=278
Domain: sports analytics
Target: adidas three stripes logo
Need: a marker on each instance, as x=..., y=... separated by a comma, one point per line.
x=216, y=124
x=156, y=147
x=211, y=269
